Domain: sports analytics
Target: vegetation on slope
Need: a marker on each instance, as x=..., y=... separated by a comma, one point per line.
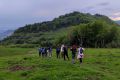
x=57, y=31
x=96, y=34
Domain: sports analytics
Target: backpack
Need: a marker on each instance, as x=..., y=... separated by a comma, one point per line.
x=43, y=50
x=65, y=49
x=81, y=50
x=58, y=49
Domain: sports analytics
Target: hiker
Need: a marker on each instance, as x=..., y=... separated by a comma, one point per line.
x=62, y=50
x=65, y=49
x=73, y=50
x=49, y=52
x=40, y=51
x=45, y=53
x=58, y=52
x=80, y=54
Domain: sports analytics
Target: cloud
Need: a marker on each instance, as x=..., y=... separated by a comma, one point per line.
x=15, y=13
x=89, y=8
x=96, y=6
x=117, y=14
x=115, y=18
x=103, y=4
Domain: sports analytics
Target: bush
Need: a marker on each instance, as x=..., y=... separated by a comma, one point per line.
x=97, y=34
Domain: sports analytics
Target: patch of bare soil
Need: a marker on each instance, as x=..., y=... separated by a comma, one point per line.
x=19, y=67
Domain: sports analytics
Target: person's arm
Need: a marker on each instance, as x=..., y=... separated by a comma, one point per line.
x=83, y=49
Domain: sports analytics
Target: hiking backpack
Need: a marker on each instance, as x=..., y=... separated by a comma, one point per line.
x=81, y=50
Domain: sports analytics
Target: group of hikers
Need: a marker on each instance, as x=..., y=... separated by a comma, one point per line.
x=62, y=52
x=44, y=52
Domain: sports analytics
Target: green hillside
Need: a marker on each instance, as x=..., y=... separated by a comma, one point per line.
x=58, y=30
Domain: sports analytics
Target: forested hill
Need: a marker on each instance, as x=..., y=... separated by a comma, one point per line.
x=63, y=21
x=56, y=31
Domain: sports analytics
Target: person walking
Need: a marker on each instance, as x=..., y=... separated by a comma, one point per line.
x=40, y=51
x=45, y=53
x=73, y=50
x=80, y=55
x=58, y=52
x=62, y=50
x=65, y=52
x=49, y=52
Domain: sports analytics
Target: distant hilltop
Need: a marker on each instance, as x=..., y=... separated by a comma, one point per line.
x=5, y=33
x=118, y=22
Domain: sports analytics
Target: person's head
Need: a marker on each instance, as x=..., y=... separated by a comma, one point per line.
x=58, y=45
x=80, y=45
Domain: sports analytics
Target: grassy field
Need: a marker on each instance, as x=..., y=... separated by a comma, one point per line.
x=24, y=64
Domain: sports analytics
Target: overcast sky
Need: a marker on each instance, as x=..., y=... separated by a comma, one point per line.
x=17, y=13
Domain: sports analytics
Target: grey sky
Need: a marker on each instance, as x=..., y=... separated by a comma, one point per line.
x=17, y=13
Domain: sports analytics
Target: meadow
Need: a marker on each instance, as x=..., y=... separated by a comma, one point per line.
x=25, y=64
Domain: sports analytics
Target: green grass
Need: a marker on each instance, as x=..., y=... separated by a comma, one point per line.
x=99, y=64
x=14, y=51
